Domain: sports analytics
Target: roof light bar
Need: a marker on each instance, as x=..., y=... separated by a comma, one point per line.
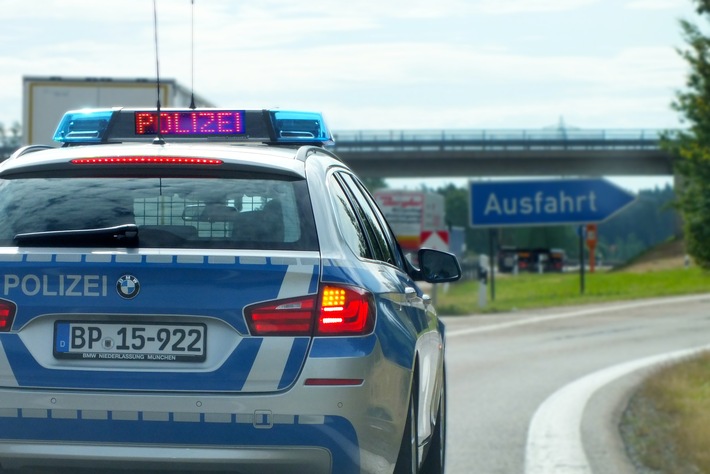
x=83, y=126
x=89, y=126
x=295, y=127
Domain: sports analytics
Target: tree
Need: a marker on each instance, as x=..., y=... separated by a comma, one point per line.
x=651, y=219
x=374, y=184
x=456, y=204
x=691, y=147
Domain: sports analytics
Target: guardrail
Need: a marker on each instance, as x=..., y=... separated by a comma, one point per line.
x=382, y=140
x=503, y=139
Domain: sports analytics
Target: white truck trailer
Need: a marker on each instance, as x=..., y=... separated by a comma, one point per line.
x=415, y=217
x=45, y=99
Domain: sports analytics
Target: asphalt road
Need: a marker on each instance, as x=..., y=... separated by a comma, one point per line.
x=541, y=392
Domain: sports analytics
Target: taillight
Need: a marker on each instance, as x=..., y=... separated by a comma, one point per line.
x=7, y=315
x=345, y=310
x=293, y=317
x=336, y=311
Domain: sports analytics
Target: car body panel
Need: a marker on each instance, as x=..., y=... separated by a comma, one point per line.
x=331, y=404
x=75, y=288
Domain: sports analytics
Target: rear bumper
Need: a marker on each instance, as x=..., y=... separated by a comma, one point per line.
x=171, y=432
x=317, y=429
x=106, y=458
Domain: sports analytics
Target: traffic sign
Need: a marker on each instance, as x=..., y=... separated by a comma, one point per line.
x=437, y=240
x=544, y=202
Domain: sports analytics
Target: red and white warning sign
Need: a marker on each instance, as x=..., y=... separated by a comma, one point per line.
x=437, y=240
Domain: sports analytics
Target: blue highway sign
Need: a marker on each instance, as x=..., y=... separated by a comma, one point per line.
x=544, y=202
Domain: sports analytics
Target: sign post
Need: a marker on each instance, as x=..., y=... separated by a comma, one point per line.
x=581, y=230
x=591, y=244
x=492, y=250
x=483, y=271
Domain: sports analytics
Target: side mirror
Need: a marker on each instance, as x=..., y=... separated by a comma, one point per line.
x=436, y=266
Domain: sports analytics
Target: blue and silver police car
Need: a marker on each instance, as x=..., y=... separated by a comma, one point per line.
x=211, y=289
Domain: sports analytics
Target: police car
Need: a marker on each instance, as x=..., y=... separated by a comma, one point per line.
x=222, y=295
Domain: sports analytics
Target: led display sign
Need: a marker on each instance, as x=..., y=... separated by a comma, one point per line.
x=193, y=123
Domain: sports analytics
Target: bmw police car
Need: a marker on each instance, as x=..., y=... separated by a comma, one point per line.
x=224, y=294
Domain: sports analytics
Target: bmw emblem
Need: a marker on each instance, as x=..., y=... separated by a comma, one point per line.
x=128, y=286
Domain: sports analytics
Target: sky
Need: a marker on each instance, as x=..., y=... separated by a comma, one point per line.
x=373, y=64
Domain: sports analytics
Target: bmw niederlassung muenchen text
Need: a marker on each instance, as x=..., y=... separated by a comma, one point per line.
x=211, y=289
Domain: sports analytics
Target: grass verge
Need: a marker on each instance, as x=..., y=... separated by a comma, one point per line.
x=526, y=291
x=666, y=427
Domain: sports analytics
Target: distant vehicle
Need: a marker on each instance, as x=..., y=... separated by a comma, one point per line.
x=222, y=295
x=46, y=98
x=530, y=259
x=412, y=214
x=556, y=260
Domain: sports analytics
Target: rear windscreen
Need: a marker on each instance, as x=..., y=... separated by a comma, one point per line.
x=167, y=212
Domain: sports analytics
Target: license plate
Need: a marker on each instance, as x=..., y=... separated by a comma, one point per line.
x=152, y=342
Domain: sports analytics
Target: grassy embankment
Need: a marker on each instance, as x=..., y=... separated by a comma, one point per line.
x=526, y=291
x=666, y=426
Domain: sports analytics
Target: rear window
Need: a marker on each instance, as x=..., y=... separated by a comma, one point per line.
x=234, y=213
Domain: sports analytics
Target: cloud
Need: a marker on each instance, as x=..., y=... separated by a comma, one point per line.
x=420, y=64
x=655, y=4
x=398, y=57
x=598, y=112
x=528, y=6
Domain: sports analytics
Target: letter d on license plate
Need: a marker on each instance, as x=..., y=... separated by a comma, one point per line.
x=154, y=342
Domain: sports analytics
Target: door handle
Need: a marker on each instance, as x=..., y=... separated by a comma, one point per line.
x=410, y=293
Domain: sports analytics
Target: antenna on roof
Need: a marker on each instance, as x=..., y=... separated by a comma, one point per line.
x=159, y=137
x=192, y=55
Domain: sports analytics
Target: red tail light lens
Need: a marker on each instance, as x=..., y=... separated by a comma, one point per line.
x=7, y=315
x=292, y=317
x=337, y=311
x=345, y=310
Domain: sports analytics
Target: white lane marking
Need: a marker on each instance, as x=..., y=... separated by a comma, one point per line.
x=554, y=444
x=574, y=314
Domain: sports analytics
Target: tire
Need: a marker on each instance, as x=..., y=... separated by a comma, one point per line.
x=408, y=458
x=436, y=455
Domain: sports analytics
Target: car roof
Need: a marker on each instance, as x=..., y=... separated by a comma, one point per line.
x=278, y=159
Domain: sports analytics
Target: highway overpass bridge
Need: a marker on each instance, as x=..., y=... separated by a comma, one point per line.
x=498, y=153
x=503, y=153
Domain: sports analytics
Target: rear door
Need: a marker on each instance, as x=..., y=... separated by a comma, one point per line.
x=420, y=318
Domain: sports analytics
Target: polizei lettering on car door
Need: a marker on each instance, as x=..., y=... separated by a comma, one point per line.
x=55, y=285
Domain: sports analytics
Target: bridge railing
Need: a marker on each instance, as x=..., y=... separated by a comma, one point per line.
x=383, y=140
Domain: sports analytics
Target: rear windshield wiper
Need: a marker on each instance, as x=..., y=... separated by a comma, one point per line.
x=125, y=235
